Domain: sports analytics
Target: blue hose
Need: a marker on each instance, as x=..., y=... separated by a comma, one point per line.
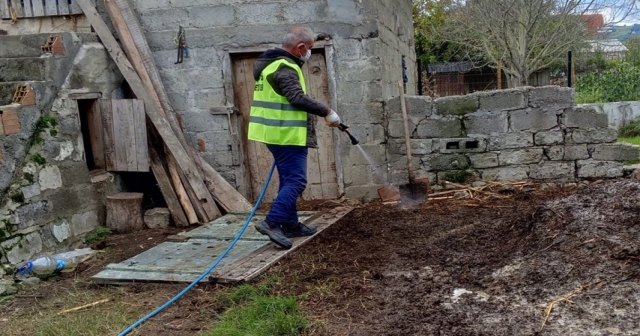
x=214, y=265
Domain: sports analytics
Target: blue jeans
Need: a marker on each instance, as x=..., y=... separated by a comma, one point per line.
x=291, y=162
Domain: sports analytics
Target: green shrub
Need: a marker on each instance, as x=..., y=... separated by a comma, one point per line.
x=631, y=130
x=620, y=83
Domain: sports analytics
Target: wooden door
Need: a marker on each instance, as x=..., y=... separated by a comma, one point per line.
x=118, y=135
x=322, y=179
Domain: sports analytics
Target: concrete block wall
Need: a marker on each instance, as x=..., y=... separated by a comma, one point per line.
x=52, y=203
x=506, y=135
x=367, y=63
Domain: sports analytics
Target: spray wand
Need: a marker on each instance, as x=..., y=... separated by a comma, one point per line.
x=344, y=128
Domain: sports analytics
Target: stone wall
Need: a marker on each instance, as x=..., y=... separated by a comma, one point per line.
x=507, y=135
x=52, y=202
x=619, y=113
x=368, y=37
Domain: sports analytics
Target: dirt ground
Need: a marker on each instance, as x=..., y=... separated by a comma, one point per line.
x=443, y=268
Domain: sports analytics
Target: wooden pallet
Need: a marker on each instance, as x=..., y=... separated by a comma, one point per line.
x=258, y=262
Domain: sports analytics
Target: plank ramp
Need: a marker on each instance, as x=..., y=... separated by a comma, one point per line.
x=185, y=261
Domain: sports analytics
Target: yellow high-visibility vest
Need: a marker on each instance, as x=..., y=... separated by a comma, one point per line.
x=272, y=119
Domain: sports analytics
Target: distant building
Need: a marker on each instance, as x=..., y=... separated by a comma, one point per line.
x=594, y=24
x=612, y=48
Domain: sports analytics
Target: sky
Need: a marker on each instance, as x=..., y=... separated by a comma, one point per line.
x=619, y=16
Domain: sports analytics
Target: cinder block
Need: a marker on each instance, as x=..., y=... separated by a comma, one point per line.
x=259, y=14
x=399, y=162
x=484, y=160
x=600, y=169
x=510, y=140
x=199, y=122
x=357, y=176
x=549, y=138
x=586, y=118
x=206, y=99
x=183, y=80
x=460, y=145
x=396, y=129
x=416, y=105
x=599, y=135
x=440, y=128
x=506, y=174
x=375, y=153
x=551, y=96
x=556, y=153
x=164, y=19
x=308, y=11
x=210, y=16
x=219, y=141
x=615, y=152
x=418, y=147
x=361, y=113
x=348, y=49
x=367, y=134
x=351, y=92
x=503, y=100
x=442, y=162
x=179, y=100
x=520, y=156
x=576, y=152
x=362, y=70
x=486, y=122
x=457, y=105
x=533, y=119
x=553, y=171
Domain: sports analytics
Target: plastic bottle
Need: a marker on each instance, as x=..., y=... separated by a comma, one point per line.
x=42, y=266
x=63, y=262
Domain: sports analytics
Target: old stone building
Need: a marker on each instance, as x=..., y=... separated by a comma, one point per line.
x=52, y=188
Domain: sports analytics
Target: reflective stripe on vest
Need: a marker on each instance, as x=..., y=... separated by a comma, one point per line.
x=273, y=120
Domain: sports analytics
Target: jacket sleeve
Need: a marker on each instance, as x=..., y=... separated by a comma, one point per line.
x=286, y=82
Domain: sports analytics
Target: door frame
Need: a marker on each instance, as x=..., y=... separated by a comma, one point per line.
x=242, y=173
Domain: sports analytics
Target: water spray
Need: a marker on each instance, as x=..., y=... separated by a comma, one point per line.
x=344, y=128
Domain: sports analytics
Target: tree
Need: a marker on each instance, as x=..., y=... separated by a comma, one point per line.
x=429, y=16
x=527, y=35
x=633, y=50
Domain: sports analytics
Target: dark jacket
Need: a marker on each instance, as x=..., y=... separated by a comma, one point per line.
x=285, y=82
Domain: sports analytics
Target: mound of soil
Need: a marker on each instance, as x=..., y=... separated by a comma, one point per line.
x=448, y=269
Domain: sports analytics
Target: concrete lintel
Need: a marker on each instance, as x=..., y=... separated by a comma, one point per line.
x=265, y=47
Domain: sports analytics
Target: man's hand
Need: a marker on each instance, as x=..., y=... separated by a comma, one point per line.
x=332, y=119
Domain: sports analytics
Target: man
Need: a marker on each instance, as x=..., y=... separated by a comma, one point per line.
x=282, y=117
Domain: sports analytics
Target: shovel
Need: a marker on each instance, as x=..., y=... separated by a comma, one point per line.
x=416, y=191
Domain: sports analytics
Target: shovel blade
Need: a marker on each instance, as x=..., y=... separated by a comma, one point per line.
x=389, y=194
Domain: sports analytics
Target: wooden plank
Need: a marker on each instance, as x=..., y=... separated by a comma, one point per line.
x=38, y=8
x=333, y=99
x=16, y=6
x=94, y=121
x=63, y=7
x=1, y=126
x=181, y=193
x=120, y=108
x=50, y=7
x=106, y=110
x=201, y=214
x=168, y=193
x=85, y=95
x=74, y=8
x=161, y=124
x=259, y=261
x=28, y=11
x=4, y=9
x=140, y=129
x=226, y=195
x=129, y=136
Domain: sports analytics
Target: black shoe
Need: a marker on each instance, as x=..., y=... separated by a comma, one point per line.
x=275, y=234
x=300, y=230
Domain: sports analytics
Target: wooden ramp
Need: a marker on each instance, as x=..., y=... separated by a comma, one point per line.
x=185, y=261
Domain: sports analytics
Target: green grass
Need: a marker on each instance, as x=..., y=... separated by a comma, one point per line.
x=633, y=141
x=256, y=312
x=100, y=233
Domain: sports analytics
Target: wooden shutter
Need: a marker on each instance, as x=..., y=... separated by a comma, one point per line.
x=118, y=133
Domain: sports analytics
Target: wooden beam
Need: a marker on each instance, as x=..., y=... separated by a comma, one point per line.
x=132, y=78
x=168, y=193
x=138, y=49
x=181, y=192
x=225, y=194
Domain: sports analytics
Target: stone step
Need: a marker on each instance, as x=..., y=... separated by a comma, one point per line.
x=24, y=69
x=44, y=90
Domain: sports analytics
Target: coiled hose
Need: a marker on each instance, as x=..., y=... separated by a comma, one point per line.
x=213, y=266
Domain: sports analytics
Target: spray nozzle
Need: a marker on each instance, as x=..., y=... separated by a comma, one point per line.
x=344, y=128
